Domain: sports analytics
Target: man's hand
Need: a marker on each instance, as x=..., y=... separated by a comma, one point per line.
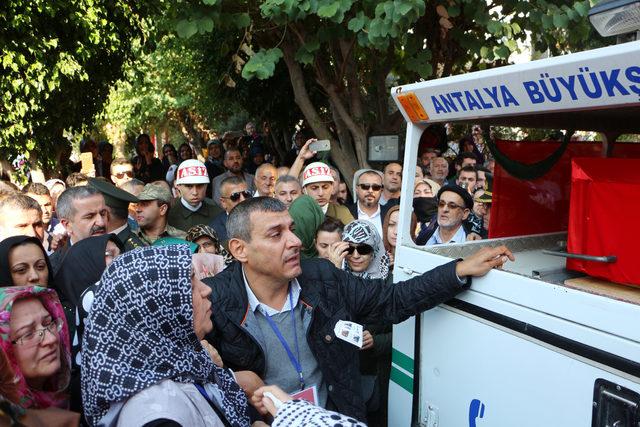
x=484, y=260
x=249, y=382
x=367, y=340
x=265, y=402
x=473, y=236
x=305, y=153
x=57, y=241
x=215, y=356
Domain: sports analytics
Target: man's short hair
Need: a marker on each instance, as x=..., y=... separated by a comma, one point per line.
x=231, y=150
x=331, y=225
x=284, y=179
x=131, y=184
x=389, y=164
x=335, y=169
x=75, y=178
x=119, y=162
x=7, y=189
x=65, y=208
x=17, y=202
x=469, y=168
x=239, y=222
x=232, y=180
x=465, y=155
x=36, y=188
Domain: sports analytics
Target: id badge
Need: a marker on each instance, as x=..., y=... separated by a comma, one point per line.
x=310, y=394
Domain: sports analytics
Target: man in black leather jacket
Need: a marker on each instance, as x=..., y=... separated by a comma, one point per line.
x=269, y=273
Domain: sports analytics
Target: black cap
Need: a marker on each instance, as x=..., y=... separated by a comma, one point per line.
x=466, y=197
x=113, y=196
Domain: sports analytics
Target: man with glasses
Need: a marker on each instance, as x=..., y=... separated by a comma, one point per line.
x=368, y=189
x=121, y=171
x=233, y=190
x=451, y=226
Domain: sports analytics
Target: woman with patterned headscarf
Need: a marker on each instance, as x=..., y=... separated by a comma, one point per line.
x=208, y=242
x=365, y=255
x=35, y=340
x=142, y=359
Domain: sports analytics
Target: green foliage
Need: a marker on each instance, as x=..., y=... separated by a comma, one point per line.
x=262, y=64
x=57, y=61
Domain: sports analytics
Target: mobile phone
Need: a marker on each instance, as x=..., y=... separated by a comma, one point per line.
x=320, y=145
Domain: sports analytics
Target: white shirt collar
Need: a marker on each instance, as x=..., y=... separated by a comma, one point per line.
x=119, y=229
x=325, y=208
x=188, y=206
x=459, y=237
x=255, y=304
x=363, y=215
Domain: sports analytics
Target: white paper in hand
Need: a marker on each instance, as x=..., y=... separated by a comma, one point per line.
x=350, y=332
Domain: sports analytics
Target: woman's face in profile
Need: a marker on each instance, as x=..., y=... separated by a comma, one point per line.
x=201, y=307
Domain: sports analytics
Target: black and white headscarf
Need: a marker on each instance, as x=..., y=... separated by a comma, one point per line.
x=140, y=332
x=364, y=232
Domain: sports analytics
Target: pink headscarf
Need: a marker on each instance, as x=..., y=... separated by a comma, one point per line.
x=29, y=397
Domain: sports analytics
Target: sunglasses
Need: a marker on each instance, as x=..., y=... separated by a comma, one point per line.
x=122, y=174
x=362, y=249
x=452, y=206
x=234, y=197
x=374, y=187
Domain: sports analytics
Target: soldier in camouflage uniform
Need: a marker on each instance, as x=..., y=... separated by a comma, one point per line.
x=152, y=213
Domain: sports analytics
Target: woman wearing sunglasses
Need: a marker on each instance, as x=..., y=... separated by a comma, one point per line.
x=363, y=255
x=35, y=339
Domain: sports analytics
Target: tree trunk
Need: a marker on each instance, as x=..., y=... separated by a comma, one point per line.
x=342, y=153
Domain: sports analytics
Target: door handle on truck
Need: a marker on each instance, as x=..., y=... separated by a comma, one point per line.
x=606, y=259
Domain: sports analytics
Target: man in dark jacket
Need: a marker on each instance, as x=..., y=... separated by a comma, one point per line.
x=276, y=317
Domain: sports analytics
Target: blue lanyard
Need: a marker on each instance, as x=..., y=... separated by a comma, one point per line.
x=292, y=358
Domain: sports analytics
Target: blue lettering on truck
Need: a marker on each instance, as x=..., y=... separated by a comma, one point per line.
x=476, y=410
x=583, y=85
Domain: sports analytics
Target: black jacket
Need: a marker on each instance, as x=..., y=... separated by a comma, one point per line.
x=333, y=295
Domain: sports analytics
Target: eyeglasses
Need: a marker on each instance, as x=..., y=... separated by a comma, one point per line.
x=452, y=206
x=122, y=174
x=362, y=249
x=36, y=336
x=374, y=187
x=234, y=197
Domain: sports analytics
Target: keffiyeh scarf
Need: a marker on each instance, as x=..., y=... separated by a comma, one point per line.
x=140, y=332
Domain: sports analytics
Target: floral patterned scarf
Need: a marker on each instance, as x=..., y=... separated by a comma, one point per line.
x=29, y=397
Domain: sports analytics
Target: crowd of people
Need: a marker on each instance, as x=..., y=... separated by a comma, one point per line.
x=164, y=291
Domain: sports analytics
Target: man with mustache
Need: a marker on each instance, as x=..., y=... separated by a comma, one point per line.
x=276, y=316
x=117, y=203
x=82, y=213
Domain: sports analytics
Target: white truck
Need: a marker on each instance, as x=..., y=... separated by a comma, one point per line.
x=521, y=347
